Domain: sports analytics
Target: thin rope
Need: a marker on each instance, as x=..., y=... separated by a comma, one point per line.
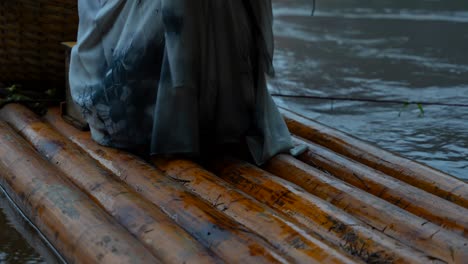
x=314, y=6
x=367, y=100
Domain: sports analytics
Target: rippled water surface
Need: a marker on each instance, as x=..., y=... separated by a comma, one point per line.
x=398, y=50
x=19, y=243
x=390, y=50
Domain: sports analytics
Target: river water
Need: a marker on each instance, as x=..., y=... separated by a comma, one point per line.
x=19, y=241
x=386, y=50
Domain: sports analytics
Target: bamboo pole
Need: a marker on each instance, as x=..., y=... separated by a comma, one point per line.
x=77, y=227
x=390, y=219
x=406, y=170
x=231, y=241
x=411, y=199
x=148, y=223
x=284, y=235
x=319, y=216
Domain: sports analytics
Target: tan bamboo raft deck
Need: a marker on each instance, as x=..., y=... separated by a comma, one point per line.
x=342, y=201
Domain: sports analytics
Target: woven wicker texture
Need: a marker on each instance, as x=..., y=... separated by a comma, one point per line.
x=30, y=35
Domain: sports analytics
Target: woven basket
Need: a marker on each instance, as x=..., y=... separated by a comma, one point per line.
x=30, y=35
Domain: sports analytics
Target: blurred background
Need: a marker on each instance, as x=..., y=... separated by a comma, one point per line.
x=401, y=50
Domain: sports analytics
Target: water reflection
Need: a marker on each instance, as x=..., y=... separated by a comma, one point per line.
x=397, y=50
x=19, y=242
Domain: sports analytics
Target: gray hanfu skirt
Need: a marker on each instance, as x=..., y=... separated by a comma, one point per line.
x=174, y=76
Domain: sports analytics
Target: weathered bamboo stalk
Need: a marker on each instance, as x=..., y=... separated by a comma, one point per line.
x=284, y=235
x=390, y=219
x=408, y=197
x=406, y=170
x=76, y=226
x=230, y=240
x=319, y=216
x=148, y=223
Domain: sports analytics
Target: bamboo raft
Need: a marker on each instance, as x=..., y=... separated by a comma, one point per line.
x=341, y=201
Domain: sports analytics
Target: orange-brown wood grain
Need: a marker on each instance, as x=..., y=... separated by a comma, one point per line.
x=390, y=219
x=248, y=215
x=77, y=227
x=433, y=208
x=230, y=240
x=317, y=215
x=149, y=224
x=406, y=170
x=284, y=235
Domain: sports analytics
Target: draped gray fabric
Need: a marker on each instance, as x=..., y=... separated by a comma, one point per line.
x=175, y=75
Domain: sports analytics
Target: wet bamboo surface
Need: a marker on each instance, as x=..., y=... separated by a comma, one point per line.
x=226, y=238
x=287, y=236
x=139, y=216
x=381, y=215
x=288, y=239
x=324, y=206
x=75, y=225
x=410, y=198
x=411, y=172
x=341, y=228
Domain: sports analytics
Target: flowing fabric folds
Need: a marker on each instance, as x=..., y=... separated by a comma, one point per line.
x=177, y=75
